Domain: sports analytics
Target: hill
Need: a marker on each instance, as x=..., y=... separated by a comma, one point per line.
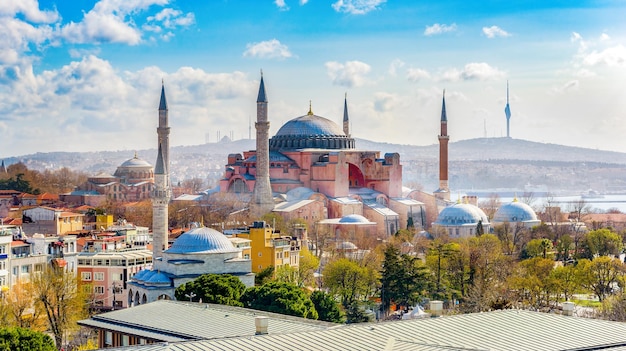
x=474, y=164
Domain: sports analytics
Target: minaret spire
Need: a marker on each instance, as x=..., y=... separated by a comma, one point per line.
x=346, y=120
x=444, y=191
x=161, y=193
x=262, y=199
x=507, y=111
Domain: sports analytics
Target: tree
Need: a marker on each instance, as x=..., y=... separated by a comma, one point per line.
x=62, y=301
x=307, y=267
x=602, y=242
x=566, y=280
x=280, y=297
x=346, y=279
x=22, y=339
x=538, y=248
x=403, y=278
x=264, y=276
x=440, y=259
x=532, y=282
x=600, y=275
x=19, y=302
x=327, y=307
x=223, y=289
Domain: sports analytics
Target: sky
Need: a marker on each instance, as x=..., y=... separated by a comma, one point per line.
x=86, y=75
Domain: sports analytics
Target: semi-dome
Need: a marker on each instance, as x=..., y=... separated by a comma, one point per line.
x=201, y=240
x=311, y=131
x=461, y=214
x=514, y=212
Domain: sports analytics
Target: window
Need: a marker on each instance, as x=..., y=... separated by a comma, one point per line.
x=15, y=270
x=25, y=269
x=260, y=254
x=108, y=338
x=38, y=267
x=85, y=276
x=3, y=265
x=3, y=249
x=99, y=276
x=98, y=289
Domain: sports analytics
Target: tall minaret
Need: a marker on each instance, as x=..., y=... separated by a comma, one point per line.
x=507, y=110
x=346, y=120
x=262, y=199
x=444, y=191
x=161, y=194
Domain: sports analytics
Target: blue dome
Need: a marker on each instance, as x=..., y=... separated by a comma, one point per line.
x=310, y=131
x=201, y=240
x=515, y=212
x=461, y=214
x=141, y=274
x=156, y=277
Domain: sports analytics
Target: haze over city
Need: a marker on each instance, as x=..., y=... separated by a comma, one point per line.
x=86, y=76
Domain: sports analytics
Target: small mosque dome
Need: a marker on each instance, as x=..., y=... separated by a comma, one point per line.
x=201, y=239
x=155, y=277
x=460, y=214
x=514, y=212
x=311, y=131
x=354, y=219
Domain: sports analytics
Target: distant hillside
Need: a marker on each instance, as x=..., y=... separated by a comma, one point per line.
x=474, y=163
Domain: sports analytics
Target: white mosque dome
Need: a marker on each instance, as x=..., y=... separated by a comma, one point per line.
x=461, y=214
x=201, y=239
x=514, y=212
x=135, y=162
x=354, y=219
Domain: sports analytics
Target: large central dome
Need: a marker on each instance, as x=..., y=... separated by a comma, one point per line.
x=310, y=132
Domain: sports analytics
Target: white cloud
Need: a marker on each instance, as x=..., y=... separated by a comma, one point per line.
x=114, y=21
x=357, y=7
x=495, y=32
x=281, y=5
x=350, y=74
x=267, y=49
x=303, y=2
x=604, y=37
x=473, y=71
x=439, y=29
x=29, y=9
x=570, y=85
x=394, y=66
x=417, y=74
x=612, y=57
x=385, y=102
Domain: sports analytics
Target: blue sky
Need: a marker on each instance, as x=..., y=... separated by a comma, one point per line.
x=86, y=75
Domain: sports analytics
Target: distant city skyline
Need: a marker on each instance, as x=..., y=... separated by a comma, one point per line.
x=86, y=76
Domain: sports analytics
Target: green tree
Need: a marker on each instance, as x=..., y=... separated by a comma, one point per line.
x=264, y=276
x=602, y=242
x=600, y=275
x=223, y=289
x=280, y=297
x=532, y=281
x=347, y=279
x=566, y=280
x=538, y=248
x=327, y=307
x=22, y=339
x=440, y=259
x=63, y=303
x=308, y=265
x=403, y=278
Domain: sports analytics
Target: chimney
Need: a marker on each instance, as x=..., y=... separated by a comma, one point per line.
x=436, y=308
x=568, y=308
x=260, y=323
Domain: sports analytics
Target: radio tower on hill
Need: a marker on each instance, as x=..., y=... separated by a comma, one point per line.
x=507, y=111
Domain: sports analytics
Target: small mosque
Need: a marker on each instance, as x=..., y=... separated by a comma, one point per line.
x=461, y=220
x=133, y=180
x=196, y=252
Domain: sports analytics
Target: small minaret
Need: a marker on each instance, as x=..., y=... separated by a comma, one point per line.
x=444, y=191
x=507, y=111
x=3, y=168
x=162, y=193
x=262, y=199
x=346, y=120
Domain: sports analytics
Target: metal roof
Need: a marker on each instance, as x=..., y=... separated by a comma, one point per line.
x=507, y=330
x=189, y=320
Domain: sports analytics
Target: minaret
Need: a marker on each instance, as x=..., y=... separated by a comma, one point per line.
x=162, y=193
x=444, y=191
x=507, y=111
x=346, y=120
x=262, y=199
x=3, y=168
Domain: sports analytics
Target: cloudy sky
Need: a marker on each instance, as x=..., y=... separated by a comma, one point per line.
x=86, y=75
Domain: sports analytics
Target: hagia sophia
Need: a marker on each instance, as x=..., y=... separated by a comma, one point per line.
x=311, y=170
